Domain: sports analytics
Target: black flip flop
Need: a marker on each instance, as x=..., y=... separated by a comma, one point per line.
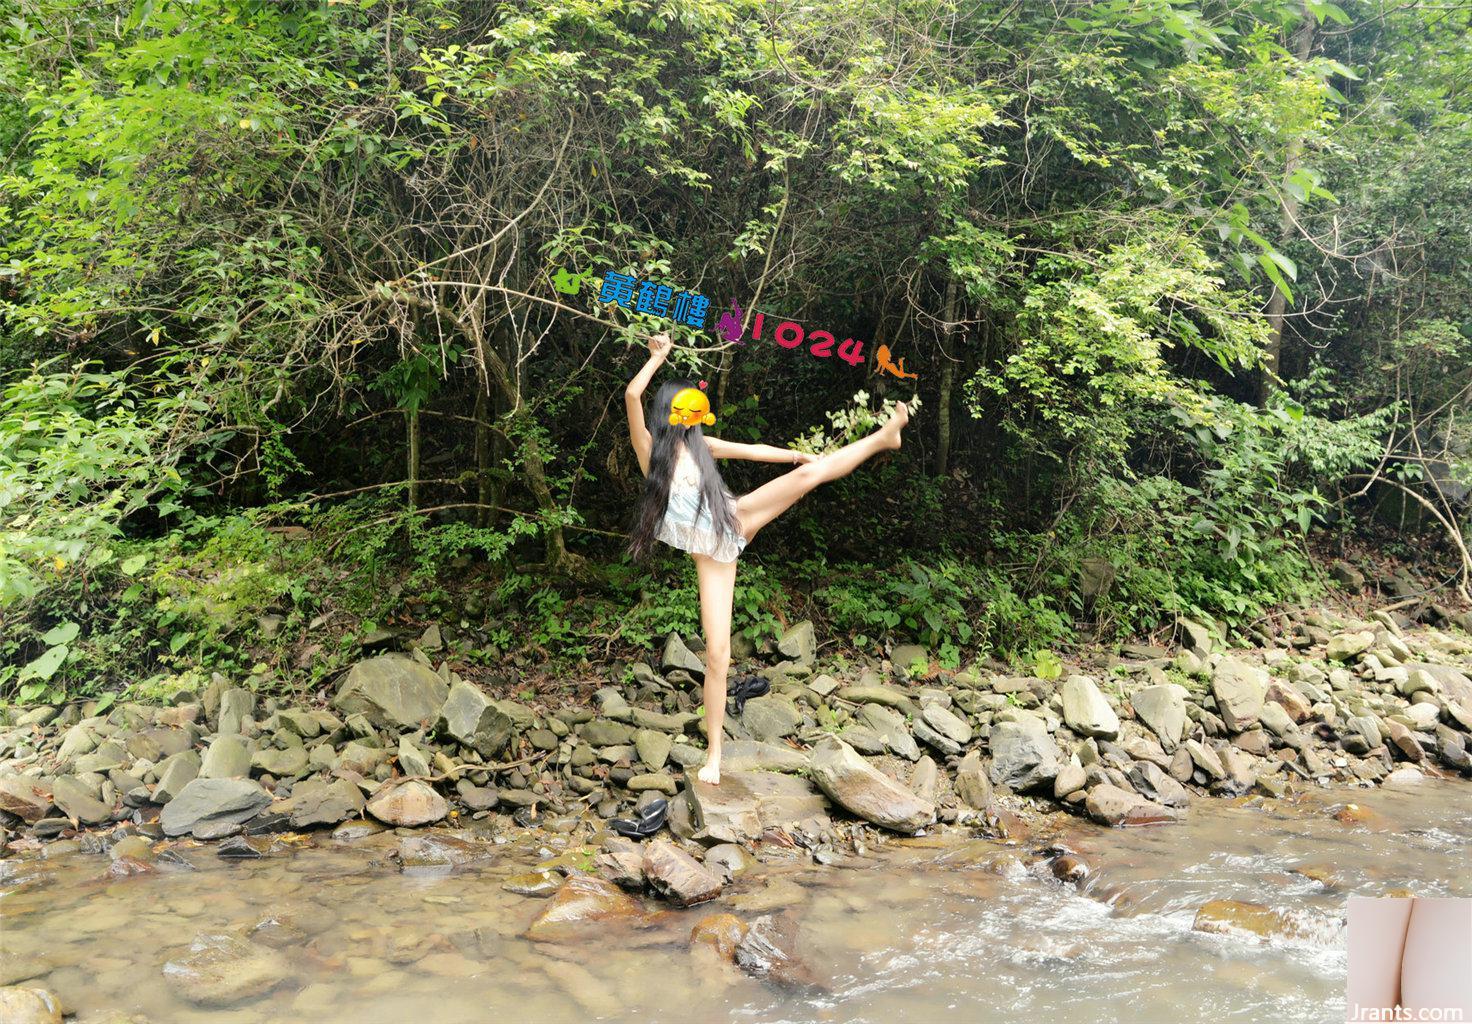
x=650, y=821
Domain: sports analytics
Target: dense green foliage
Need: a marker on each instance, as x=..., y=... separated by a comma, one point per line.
x=282, y=360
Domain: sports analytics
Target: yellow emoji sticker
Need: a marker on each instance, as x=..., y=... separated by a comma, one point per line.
x=691, y=408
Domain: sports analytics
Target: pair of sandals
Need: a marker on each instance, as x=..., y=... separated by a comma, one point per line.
x=745, y=688
x=649, y=821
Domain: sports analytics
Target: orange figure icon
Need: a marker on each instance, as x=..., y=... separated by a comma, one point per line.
x=883, y=361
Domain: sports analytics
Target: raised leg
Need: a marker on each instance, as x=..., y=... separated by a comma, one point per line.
x=771, y=499
x=717, y=587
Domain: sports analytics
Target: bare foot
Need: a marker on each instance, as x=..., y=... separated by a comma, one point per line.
x=711, y=772
x=897, y=422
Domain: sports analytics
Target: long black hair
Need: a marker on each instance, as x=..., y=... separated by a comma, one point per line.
x=667, y=440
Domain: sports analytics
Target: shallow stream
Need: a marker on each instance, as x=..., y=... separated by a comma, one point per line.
x=925, y=930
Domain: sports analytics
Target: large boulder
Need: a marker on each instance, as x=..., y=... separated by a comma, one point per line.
x=1239, y=689
x=224, y=970
x=752, y=756
x=227, y=757
x=746, y=803
x=205, y=805
x=1086, y=711
x=800, y=643
x=78, y=800
x=408, y=803
x=770, y=718
x=890, y=728
x=1024, y=756
x=470, y=717
x=860, y=788
x=20, y=1004
x=392, y=692
x=677, y=655
x=1163, y=710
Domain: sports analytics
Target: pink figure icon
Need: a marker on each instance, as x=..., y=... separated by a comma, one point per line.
x=729, y=326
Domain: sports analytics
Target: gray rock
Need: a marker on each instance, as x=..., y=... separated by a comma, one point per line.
x=471, y=718
x=1070, y=779
x=392, y=692
x=1085, y=709
x=925, y=780
x=947, y=723
x=890, y=727
x=283, y=764
x=174, y=774
x=1110, y=805
x=412, y=761
x=770, y=718
x=25, y=1004
x=653, y=747
x=906, y=656
x=1163, y=710
x=972, y=786
x=746, y=803
x=864, y=739
x=601, y=733
x=944, y=744
x=1239, y=689
x=653, y=782
x=316, y=802
x=237, y=706
x=1195, y=637
x=223, y=971
x=752, y=755
x=677, y=655
x=205, y=803
x=1278, y=722
x=799, y=643
x=863, y=790
x=1024, y=756
x=77, y=800
x=227, y=757
x=873, y=693
x=1154, y=784
x=1347, y=646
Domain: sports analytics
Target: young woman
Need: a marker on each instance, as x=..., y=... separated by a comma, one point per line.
x=687, y=505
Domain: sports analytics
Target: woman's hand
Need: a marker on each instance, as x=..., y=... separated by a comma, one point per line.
x=803, y=458
x=660, y=346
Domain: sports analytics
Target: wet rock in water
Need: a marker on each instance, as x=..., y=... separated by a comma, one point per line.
x=315, y=802
x=223, y=971
x=205, y=805
x=77, y=800
x=226, y=758
x=621, y=861
x=770, y=718
x=745, y=803
x=1163, y=710
x=750, y=755
x=22, y=1005
x=27, y=798
x=768, y=951
x=677, y=655
x=1086, y=711
x=537, y=884
x=468, y=716
x=1024, y=756
x=16, y=967
x=1226, y=917
x=1154, y=784
x=582, y=899
x=407, y=803
x=860, y=788
x=720, y=932
x=1110, y=805
x=1239, y=689
x=1071, y=868
x=800, y=643
x=128, y=867
x=393, y=692
x=729, y=860
x=675, y=874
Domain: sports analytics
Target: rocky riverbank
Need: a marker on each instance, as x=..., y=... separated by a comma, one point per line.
x=1130, y=739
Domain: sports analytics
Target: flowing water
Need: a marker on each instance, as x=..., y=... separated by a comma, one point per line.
x=925, y=930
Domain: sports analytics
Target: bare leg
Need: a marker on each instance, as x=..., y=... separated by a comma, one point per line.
x=774, y=497
x=717, y=586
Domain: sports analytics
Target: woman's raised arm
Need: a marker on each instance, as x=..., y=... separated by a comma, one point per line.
x=659, y=350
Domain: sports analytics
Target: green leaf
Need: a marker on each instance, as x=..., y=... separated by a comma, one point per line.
x=61, y=633
x=1275, y=275
x=131, y=566
x=45, y=666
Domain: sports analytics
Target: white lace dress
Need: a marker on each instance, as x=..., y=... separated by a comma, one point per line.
x=682, y=529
